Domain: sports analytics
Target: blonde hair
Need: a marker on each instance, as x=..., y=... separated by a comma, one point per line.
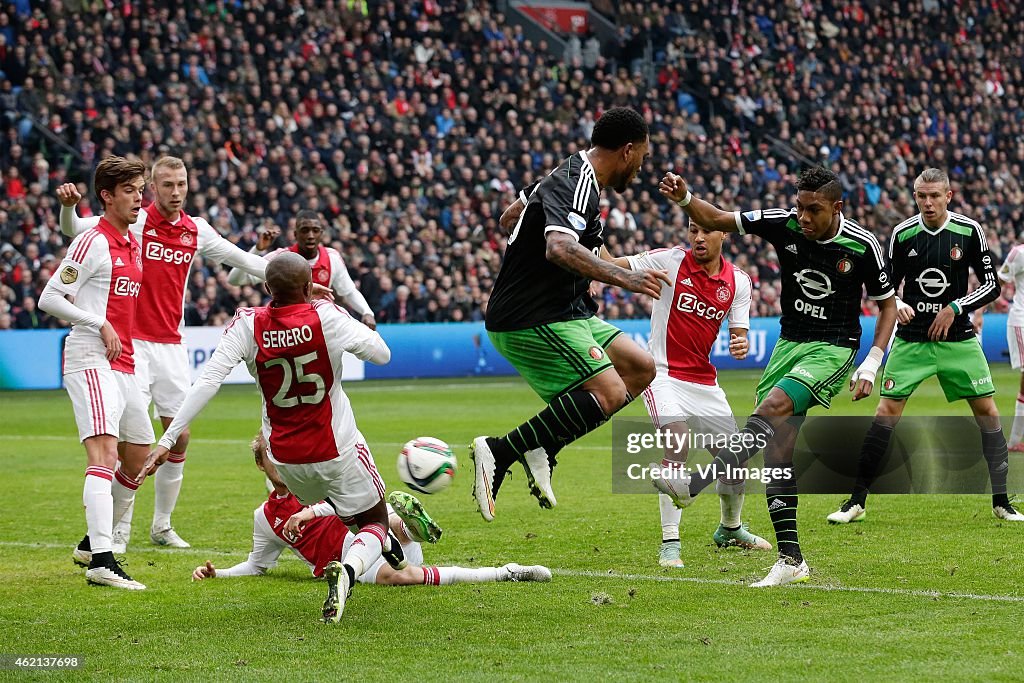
x=168, y=162
x=932, y=175
x=259, y=448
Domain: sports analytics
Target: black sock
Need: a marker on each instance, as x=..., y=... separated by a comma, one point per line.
x=993, y=447
x=101, y=560
x=781, y=495
x=567, y=418
x=756, y=433
x=876, y=443
x=669, y=540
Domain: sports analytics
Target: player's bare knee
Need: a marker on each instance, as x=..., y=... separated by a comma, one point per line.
x=775, y=404
x=182, y=443
x=889, y=412
x=611, y=397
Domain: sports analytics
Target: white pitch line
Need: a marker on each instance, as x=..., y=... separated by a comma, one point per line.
x=588, y=574
x=70, y=438
x=909, y=592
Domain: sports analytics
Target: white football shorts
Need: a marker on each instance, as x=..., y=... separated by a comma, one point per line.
x=109, y=402
x=164, y=375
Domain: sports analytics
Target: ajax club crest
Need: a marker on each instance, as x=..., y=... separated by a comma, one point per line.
x=187, y=239
x=722, y=294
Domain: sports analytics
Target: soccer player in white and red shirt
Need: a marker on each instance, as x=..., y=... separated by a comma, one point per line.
x=1012, y=272
x=293, y=348
x=318, y=537
x=171, y=240
x=103, y=272
x=328, y=266
x=706, y=289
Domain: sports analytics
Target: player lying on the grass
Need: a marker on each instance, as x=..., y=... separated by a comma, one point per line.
x=541, y=316
x=319, y=537
x=1012, y=273
x=827, y=261
x=102, y=272
x=293, y=348
x=932, y=254
x=685, y=321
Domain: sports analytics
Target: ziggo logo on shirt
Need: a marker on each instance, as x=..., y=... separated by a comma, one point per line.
x=158, y=252
x=125, y=286
x=689, y=303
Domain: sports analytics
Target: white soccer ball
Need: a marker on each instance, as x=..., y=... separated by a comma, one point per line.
x=427, y=465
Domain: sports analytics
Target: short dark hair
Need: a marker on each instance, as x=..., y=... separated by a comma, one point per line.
x=114, y=171
x=617, y=127
x=307, y=215
x=821, y=180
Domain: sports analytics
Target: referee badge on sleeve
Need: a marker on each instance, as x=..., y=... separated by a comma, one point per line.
x=68, y=275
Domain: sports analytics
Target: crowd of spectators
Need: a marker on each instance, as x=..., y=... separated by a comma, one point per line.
x=410, y=125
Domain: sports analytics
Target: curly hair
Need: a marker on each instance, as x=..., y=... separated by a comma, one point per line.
x=822, y=181
x=619, y=126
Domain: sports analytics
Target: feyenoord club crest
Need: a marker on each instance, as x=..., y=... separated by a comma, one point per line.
x=889, y=383
x=844, y=266
x=596, y=353
x=187, y=239
x=956, y=253
x=723, y=294
x=322, y=276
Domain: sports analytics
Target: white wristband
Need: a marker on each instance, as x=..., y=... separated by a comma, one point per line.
x=685, y=201
x=869, y=368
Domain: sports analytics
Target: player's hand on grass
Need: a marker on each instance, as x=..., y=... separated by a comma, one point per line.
x=369, y=321
x=673, y=187
x=904, y=312
x=939, y=329
x=207, y=571
x=647, y=282
x=321, y=292
x=158, y=456
x=111, y=341
x=739, y=347
x=266, y=237
x=68, y=194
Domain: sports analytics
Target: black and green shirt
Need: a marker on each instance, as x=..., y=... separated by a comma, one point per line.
x=822, y=281
x=934, y=266
x=529, y=289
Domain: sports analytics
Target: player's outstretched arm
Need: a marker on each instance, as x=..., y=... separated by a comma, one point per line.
x=566, y=252
x=863, y=380
x=674, y=188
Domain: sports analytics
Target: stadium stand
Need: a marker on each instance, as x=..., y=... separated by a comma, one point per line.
x=410, y=125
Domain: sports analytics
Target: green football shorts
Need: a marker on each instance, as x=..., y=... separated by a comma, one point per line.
x=557, y=357
x=960, y=366
x=809, y=372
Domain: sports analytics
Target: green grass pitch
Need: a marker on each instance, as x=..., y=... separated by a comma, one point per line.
x=929, y=587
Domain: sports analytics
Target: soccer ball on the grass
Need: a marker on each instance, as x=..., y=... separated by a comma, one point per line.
x=427, y=465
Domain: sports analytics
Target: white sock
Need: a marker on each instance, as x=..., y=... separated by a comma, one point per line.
x=123, y=490
x=365, y=548
x=1017, y=430
x=124, y=525
x=444, y=576
x=730, y=498
x=99, y=507
x=670, y=516
x=167, y=486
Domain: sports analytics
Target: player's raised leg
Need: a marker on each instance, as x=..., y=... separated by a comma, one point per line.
x=566, y=363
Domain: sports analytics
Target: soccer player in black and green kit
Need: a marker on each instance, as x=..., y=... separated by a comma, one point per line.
x=827, y=260
x=540, y=315
x=931, y=253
